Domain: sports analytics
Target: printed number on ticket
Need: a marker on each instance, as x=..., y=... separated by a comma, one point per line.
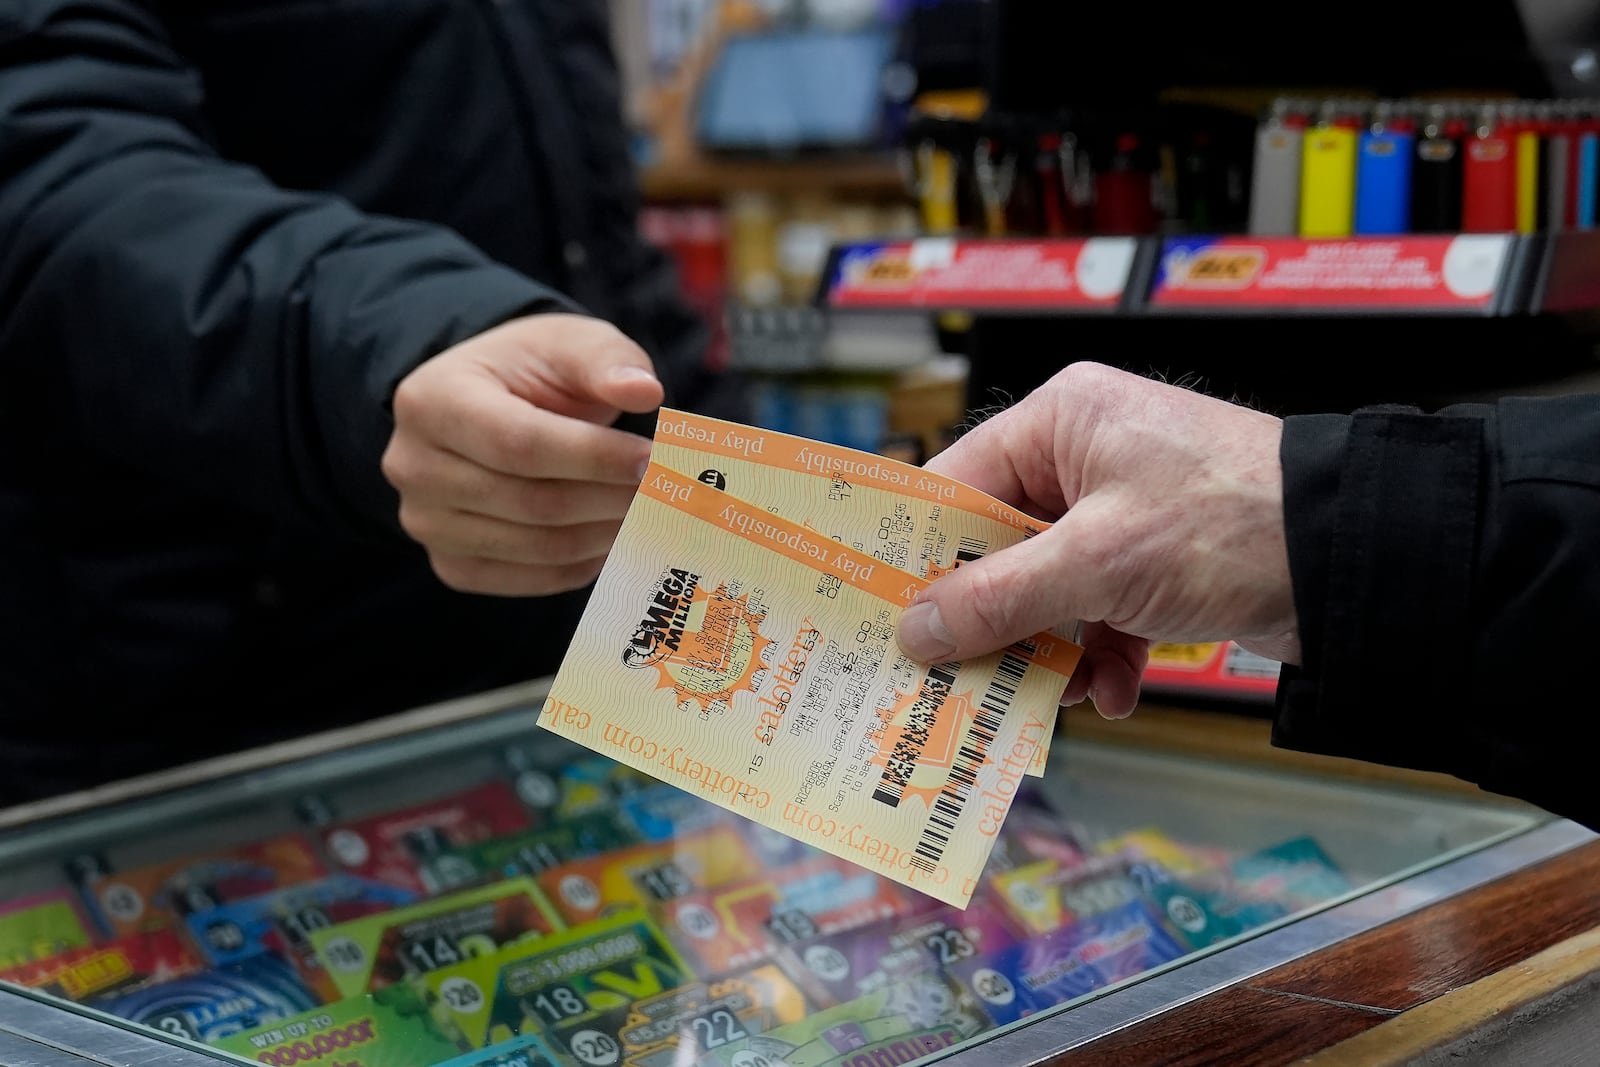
x=915, y=520
x=750, y=660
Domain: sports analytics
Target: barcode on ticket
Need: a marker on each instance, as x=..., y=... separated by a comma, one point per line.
x=969, y=549
x=902, y=761
x=974, y=752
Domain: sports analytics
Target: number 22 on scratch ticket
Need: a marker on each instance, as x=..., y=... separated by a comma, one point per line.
x=750, y=660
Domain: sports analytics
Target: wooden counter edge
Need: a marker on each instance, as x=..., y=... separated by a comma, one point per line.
x=1312, y=1005
x=1481, y=1009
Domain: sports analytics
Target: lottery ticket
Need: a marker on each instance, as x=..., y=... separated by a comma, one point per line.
x=662, y=812
x=211, y=1005
x=282, y=921
x=914, y=520
x=41, y=926
x=528, y=852
x=677, y=1026
x=1047, y=895
x=576, y=787
x=747, y=922
x=575, y=987
x=1040, y=973
x=647, y=875
x=379, y=950
x=841, y=967
x=391, y=1028
x=163, y=894
x=117, y=966
x=393, y=847
x=750, y=660
x=904, y=1021
x=1295, y=874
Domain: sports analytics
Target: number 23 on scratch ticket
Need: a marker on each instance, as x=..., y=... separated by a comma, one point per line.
x=751, y=660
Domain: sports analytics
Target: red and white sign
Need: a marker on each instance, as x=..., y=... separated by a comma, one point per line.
x=1423, y=273
x=949, y=273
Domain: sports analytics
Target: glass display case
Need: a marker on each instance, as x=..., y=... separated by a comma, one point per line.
x=457, y=886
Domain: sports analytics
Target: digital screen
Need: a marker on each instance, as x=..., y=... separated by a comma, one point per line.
x=790, y=91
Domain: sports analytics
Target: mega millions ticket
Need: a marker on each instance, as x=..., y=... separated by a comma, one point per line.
x=915, y=520
x=747, y=658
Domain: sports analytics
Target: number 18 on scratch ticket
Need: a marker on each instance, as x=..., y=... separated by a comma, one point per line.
x=752, y=661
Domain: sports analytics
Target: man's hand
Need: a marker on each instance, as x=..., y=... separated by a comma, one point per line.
x=1170, y=528
x=508, y=470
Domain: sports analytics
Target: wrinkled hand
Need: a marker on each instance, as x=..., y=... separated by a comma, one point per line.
x=1170, y=528
x=508, y=471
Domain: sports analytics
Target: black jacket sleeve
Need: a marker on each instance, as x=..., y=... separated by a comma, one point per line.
x=1446, y=576
x=238, y=338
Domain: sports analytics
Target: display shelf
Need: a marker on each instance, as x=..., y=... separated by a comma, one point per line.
x=704, y=180
x=1114, y=841
x=1437, y=275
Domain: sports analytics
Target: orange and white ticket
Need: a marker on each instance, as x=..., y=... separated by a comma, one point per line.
x=915, y=520
x=745, y=658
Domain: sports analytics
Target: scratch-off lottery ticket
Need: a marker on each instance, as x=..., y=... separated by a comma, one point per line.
x=748, y=659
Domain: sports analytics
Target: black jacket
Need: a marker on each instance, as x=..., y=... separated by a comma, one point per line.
x=210, y=282
x=1447, y=579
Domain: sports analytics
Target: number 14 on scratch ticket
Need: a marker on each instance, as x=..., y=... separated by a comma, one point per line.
x=752, y=661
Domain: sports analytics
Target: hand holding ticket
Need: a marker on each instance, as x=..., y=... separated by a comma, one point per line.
x=750, y=659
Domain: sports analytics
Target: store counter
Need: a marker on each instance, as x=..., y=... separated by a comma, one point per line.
x=455, y=886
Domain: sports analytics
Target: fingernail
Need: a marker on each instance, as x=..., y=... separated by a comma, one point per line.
x=924, y=635
x=624, y=375
x=1094, y=699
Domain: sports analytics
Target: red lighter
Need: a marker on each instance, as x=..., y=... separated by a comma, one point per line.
x=1489, y=178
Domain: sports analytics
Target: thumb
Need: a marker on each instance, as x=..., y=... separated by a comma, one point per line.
x=990, y=603
x=577, y=366
x=616, y=372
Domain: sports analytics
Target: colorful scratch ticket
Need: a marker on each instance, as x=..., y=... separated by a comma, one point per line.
x=379, y=950
x=282, y=921
x=747, y=922
x=211, y=1005
x=749, y=660
x=527, y=853
x=1032, y=835
x=841, y=967
x=1150, y=844
x=117, y=966
x=661, y=812
x=902, y=1022
x=647, y=875
x=1296, y=874
x=391, y=1028
x=41, y=926
x=575, y=987
x=1048, y=895
x=678, y=1026
x=391, y=848
x=576, y=787
x=163, y=894
x=915, y=520
x=1033, y=975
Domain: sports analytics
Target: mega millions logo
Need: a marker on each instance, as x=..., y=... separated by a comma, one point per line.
x=705, y=645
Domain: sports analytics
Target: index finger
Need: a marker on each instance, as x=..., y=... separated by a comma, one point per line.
x=487, y=425
x=1000, y=458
